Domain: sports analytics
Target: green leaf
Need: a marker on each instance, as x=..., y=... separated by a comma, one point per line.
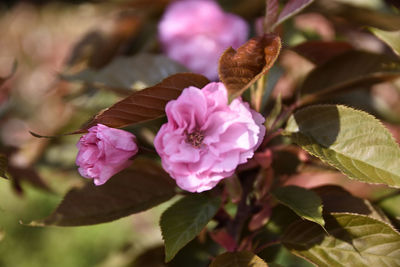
x=391, y=38
x=135, y=72
x=336, y=199
x=136, y=189
x=238, y=259
x=305, y=203
x=181, y=222
x=3, y=166
x=355, y=240
x=196, y=253
x=349, y=71
x=151, y=257
x=350, y=140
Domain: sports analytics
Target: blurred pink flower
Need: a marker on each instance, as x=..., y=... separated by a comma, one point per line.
x=205, y=138
x=104, y=152
x=196, y=32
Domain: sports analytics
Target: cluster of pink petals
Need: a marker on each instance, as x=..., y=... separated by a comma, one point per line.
x=205, y=139
x=196, y=32
x=104, y=152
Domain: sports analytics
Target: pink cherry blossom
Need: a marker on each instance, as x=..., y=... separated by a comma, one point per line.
x=196, y=32
x=205, y=139
x=104, y=152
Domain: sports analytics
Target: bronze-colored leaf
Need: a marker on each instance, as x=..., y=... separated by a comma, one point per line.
x=146, y=104
x=240, y=69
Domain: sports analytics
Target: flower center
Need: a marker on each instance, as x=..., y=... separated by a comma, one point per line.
x=195, y=138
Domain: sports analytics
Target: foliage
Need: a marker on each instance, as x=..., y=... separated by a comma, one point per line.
x=322, y=185
x=184, y=220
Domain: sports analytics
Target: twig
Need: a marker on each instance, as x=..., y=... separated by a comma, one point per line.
x=235, y=226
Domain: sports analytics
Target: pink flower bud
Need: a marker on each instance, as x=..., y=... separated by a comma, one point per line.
x=205, y=139
x=104, y=152
x=196, y=32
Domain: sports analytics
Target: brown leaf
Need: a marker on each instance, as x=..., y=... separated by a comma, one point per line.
x=28, y=175
x=238, y=70
x=271, y=14
x=353, y=16
x=146, y=104
x=133, y=190
x=291, y=8
x=319, y=52
x=348, y=71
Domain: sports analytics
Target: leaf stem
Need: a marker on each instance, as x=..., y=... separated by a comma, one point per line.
x=258, y=92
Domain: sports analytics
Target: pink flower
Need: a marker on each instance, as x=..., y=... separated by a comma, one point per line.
x=196, y=32
x=205, y=139
x=104, y=152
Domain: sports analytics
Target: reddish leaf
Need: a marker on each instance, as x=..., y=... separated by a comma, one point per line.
x=349, y=71
x=146, y=104
x=292, y=8
x=234, y=188
x=136, y=189
x=225, y=240
x=320, y=52
x=358, y=16
x=261, y=218
x=264, y=158
x=238, y=70
x=271, y=14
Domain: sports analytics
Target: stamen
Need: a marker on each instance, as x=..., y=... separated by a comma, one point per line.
x=195, y=138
